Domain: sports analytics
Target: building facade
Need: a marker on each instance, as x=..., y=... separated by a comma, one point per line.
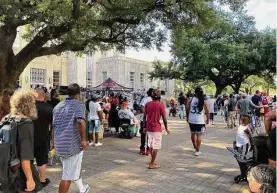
x=88, y=70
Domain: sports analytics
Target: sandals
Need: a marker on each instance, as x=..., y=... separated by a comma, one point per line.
x=154, y=166
x=44, y=184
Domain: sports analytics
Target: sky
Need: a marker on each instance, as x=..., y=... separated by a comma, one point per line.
x=264, y=12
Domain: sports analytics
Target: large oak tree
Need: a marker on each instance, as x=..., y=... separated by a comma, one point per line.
x=55, y=26
x=226, y=53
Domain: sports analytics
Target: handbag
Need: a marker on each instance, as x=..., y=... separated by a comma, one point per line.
x=262, y=110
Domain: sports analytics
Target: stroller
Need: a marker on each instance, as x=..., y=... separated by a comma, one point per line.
x=173, y=109
x=259, y=156
x=128, y=130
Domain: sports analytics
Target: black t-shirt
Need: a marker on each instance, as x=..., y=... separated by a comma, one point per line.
x=182, y=100
x=53, y=102
x=25, y=149
x=256, y=99
x=26, y=139
x=42, y=123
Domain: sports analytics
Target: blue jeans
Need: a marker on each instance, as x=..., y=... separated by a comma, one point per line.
x=182, y=111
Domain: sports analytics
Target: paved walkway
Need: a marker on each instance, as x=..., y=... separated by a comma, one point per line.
x=117, y=167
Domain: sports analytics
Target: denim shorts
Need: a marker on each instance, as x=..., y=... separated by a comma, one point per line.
x=94, y=126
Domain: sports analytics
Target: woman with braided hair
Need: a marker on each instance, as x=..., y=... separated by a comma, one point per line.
x=262, y=179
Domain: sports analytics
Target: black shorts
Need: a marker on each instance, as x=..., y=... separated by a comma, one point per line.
x=196, y=128
x=41, y=155
x=257, y=112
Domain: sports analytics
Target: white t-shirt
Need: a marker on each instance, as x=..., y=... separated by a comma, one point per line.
x=196, y=116
x=211, y=105
x=241, y=138
x=94, y=108
x=143, y=103
x=125, y=114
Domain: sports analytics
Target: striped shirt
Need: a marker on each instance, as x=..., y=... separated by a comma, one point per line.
x=67, y=138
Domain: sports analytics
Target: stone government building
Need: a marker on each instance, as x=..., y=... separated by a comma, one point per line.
x=89, y=70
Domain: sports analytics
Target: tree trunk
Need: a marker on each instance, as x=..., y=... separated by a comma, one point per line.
x=8, y=78
x=237, y=87
x=247, y=90
x=219, y=89
x=7, y=57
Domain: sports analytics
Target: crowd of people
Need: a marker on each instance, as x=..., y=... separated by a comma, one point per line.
x=46, y=123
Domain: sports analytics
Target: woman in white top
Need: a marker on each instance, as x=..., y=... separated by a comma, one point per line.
x=211, y=104
x=196, y=118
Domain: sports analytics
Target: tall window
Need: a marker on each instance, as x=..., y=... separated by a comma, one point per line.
x=105, y=75
x=141, y=80
x=37, y=76
x=56, y=78
x=132, y=79
x=89, y=79
x=89, y=70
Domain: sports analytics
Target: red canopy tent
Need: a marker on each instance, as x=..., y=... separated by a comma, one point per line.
x=110, y=85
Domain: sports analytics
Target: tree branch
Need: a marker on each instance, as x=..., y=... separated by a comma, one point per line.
x=65, y=46
x=46, y=34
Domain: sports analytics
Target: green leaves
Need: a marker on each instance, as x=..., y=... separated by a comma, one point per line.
x=227, y=52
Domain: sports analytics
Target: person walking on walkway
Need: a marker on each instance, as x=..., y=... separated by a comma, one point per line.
x=54, y=98
x=196, y=118
x=182, y=103
x=154, y=110
x=70, y=138
x=246, y=106
x=144, y=149
x=211, y=104
x=231, y=112
x=41, y=134
x=96, y=120
x=23, y=109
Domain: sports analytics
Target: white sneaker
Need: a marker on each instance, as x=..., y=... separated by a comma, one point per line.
x=197, y=153
x=87, y=188
x=90, y=144
x=98, y=144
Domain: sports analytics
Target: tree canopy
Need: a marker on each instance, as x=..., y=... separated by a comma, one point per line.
x=226, y=53
x=55, y=26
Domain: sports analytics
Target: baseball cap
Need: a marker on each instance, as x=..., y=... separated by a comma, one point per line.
x=95, y=96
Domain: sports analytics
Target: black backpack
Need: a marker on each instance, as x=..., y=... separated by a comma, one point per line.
x=9, y=160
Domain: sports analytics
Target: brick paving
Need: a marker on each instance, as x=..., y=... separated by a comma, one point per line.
x=116, y=167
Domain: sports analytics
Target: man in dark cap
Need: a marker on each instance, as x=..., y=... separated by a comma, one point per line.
x=144, y=149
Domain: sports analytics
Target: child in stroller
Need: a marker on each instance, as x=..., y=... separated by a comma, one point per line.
x=173, y=109
x=241, y=146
